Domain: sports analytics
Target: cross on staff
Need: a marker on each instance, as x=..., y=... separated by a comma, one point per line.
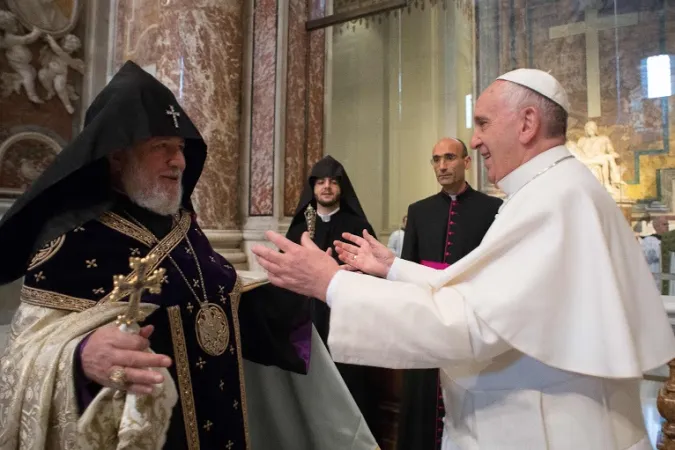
x=310, y=218
x=140, y=279
x=174, y=114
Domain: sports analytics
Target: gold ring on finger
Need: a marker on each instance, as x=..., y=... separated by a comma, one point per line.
x=118, y=378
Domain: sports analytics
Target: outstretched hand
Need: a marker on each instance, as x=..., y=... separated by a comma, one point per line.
x=366, y=254
x=304, y=269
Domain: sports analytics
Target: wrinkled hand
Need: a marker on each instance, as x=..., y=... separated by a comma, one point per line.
x=347, y=267
x=304, y=269
x=367, y=254
x=109, y=348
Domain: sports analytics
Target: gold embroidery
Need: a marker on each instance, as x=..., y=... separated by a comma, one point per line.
x=235, y=295
x=208, y=425
x=184, y=381
x=250, y=287
x=47, y=252
x=213, y=331
x=162, y=249
x=201, y=363
x=91, y=263
x=127, y=228
x=234, y=304
x=190, y=307
x=39, y=276
x=53, y=300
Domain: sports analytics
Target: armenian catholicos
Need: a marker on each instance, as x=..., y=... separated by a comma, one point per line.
x=544, y=331
x=72, y=378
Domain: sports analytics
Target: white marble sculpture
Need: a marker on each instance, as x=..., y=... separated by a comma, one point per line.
x=47, y=15
x=597, y=153
x=55, y=60
x=18, y=56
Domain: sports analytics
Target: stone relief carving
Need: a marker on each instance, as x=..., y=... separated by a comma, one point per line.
x=55, y=60
x=50, y=20
x=53, y=17
x=23, y=157
x=18, y=56
x=597, y=153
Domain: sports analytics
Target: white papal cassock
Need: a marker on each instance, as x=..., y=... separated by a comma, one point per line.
x=542, y=333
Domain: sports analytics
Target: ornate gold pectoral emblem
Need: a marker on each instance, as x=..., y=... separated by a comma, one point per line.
x=213, y=332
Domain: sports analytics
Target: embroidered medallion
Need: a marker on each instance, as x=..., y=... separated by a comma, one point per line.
x=213, y=332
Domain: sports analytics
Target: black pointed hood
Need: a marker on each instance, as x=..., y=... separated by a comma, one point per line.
x=329, y=167
x=76, y=187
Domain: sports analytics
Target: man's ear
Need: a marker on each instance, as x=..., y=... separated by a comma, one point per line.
x=530, y=124
x=116, y=160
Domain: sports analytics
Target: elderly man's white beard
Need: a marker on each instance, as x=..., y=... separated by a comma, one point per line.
x=148, y=193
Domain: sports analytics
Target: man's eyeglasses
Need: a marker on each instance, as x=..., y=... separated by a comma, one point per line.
x=447, y=157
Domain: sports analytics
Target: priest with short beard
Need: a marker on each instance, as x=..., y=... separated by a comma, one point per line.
x=329, y=207
x=199, y=373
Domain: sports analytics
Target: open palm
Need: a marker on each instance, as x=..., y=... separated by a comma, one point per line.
x=366, y=254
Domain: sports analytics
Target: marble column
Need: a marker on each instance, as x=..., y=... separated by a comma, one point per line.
x=196, y=49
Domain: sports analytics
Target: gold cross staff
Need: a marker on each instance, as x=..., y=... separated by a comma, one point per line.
x=140, y=279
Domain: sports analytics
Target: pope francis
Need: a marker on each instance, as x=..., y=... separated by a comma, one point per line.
x=543, y=332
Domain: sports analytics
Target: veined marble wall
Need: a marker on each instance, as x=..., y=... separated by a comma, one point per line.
x=282, y=114
x=196, y=48
x=248, y=74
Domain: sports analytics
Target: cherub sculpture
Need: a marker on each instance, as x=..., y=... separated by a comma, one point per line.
x=55, y=60
x=18, y=55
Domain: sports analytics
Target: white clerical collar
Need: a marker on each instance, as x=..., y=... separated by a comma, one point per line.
x=523, y=174
x=326, y=217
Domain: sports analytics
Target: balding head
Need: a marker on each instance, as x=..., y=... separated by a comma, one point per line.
x=660, y=224
x=450, y=159
x=552, y=116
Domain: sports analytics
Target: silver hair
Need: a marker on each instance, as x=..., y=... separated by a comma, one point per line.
x=554, y=117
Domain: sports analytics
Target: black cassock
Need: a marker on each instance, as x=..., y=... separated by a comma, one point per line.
x=440, y=231
x=351, y=219
x=326, y=233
